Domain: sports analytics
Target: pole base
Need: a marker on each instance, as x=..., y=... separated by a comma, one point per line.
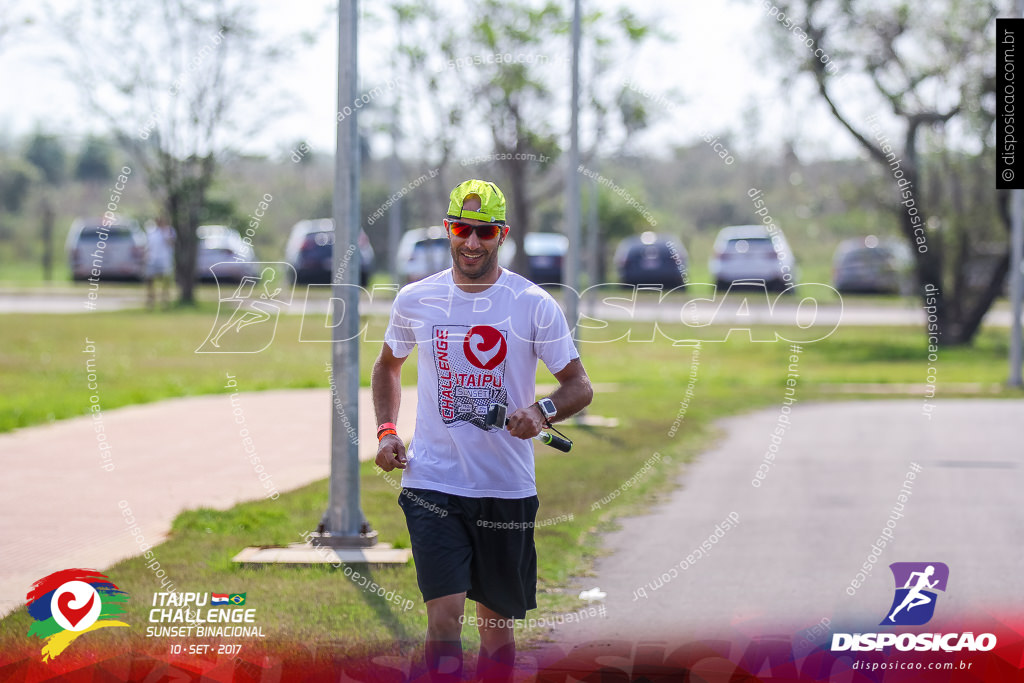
x=366, y=538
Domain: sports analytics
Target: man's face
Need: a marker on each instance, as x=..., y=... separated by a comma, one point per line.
x=472, y=257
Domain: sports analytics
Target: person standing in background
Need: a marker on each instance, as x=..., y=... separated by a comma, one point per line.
x=160, y=239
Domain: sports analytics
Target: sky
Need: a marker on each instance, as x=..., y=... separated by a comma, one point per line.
x=714, y=71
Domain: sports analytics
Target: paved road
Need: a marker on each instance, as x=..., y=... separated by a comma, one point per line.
x=803, y=535
x=60, y=508
x=615, y=306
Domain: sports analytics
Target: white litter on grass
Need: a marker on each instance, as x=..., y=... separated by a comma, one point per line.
x=593, y=594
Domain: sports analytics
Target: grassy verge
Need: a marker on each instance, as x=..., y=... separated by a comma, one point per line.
x=149, y=357
x=141, y=357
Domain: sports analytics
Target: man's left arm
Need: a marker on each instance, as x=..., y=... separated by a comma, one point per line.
x=574, y=393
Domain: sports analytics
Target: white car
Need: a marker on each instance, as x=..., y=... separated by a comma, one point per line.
x=751, y=254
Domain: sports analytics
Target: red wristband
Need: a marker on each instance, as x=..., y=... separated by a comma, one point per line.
x=384, y=433
x=386, y=425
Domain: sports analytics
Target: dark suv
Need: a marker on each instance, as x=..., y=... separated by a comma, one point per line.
x=650, y=259
x=310, y=251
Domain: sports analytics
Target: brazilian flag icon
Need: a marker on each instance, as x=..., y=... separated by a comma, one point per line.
x=237, y=599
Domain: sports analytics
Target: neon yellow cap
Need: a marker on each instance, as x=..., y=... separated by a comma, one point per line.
x=492, y=201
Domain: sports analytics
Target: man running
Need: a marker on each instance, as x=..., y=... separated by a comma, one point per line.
x=469, y=494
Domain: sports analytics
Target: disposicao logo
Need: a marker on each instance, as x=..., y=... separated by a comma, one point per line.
x=914, y=605
x=916, y=583
x=69, y=603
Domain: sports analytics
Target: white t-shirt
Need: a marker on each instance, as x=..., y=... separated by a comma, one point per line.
x=475, y=349
x=159, y=250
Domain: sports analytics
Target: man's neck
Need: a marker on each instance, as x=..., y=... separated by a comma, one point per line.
x=475, y=286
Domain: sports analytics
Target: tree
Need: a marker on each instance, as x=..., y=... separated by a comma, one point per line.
x=46, y=152
x=94, y=164
x=615, y=220
x=16, y=179
x=174, y=100
x=496, y=83
x=930, y=65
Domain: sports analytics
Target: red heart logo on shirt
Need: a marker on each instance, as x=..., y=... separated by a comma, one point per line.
x=485, y=347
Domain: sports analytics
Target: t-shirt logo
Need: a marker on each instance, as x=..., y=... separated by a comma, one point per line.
x=485, y=347
x=470, y=374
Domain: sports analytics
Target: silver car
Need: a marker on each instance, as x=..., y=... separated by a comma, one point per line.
x=752, y=255
x=112, y=252
x=223, y=251
x=423, y=252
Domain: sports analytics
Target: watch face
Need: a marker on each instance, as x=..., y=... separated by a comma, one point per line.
x=547, y=406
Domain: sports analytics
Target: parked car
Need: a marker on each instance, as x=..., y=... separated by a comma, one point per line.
x=870, y=265
x=652, y=259
x=425, y=251
x=117, y=251
x=545, y=254
x=749, y=254
x=221, y=245
x=310, y=250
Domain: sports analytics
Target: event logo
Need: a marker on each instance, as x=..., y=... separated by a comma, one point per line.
x=470, y=364
x=485, y=347
x=916, y=583
x=186, y=614
x=69, y=603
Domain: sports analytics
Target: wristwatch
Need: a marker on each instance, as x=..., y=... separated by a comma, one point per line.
x=547, y=407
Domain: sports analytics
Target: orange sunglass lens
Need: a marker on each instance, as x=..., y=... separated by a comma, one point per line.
x=464, y=230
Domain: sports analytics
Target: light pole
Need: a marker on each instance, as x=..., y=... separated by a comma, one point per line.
x=572, y=185
x=343, y=524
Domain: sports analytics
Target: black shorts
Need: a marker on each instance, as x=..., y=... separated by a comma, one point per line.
x=483, y=546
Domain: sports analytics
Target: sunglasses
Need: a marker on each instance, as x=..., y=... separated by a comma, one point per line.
x=464, y=230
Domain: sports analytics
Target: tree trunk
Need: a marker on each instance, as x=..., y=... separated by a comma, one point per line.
x=185, y=252
x=519, y=211
x=971, y=323
x=601, y=269
x=964, y=329
x=46, y=211
x=185, y=206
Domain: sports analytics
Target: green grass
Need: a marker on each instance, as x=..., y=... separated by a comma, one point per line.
x=140, y=357
x=21, y=273
x=146, y=357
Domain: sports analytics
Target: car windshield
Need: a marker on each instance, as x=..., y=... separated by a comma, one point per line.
x=545, y=244
x=318, y=239
x=218, y=242
x=651, y=251
x=430, y=245
x=114, y=232
x=753, y=245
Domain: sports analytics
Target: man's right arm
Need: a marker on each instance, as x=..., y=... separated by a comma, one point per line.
x=386, y=386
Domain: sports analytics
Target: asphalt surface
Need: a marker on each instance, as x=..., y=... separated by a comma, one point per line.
x=803, y=535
